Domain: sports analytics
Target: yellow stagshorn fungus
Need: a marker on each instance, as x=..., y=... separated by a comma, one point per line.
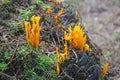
x=61, y=57
x=56, y=17
x=60, y=12
x=76, y=14
x=56, y=20
x=33, y=30
x=105, y=69
x=77, y=38
x=55, y=1
x=48, y=10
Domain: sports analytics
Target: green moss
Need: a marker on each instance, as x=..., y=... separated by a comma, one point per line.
x=36, y=63
x=3, y=66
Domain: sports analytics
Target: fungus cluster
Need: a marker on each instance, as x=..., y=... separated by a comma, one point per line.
x=61, y=57
x=77, y=38
x=33, y=30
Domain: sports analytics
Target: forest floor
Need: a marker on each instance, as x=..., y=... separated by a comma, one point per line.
x=101, y=19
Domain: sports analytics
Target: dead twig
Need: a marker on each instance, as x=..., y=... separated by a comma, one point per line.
x=75, y=55
x=66, y=75
x=13, y=54
x=11, y=77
